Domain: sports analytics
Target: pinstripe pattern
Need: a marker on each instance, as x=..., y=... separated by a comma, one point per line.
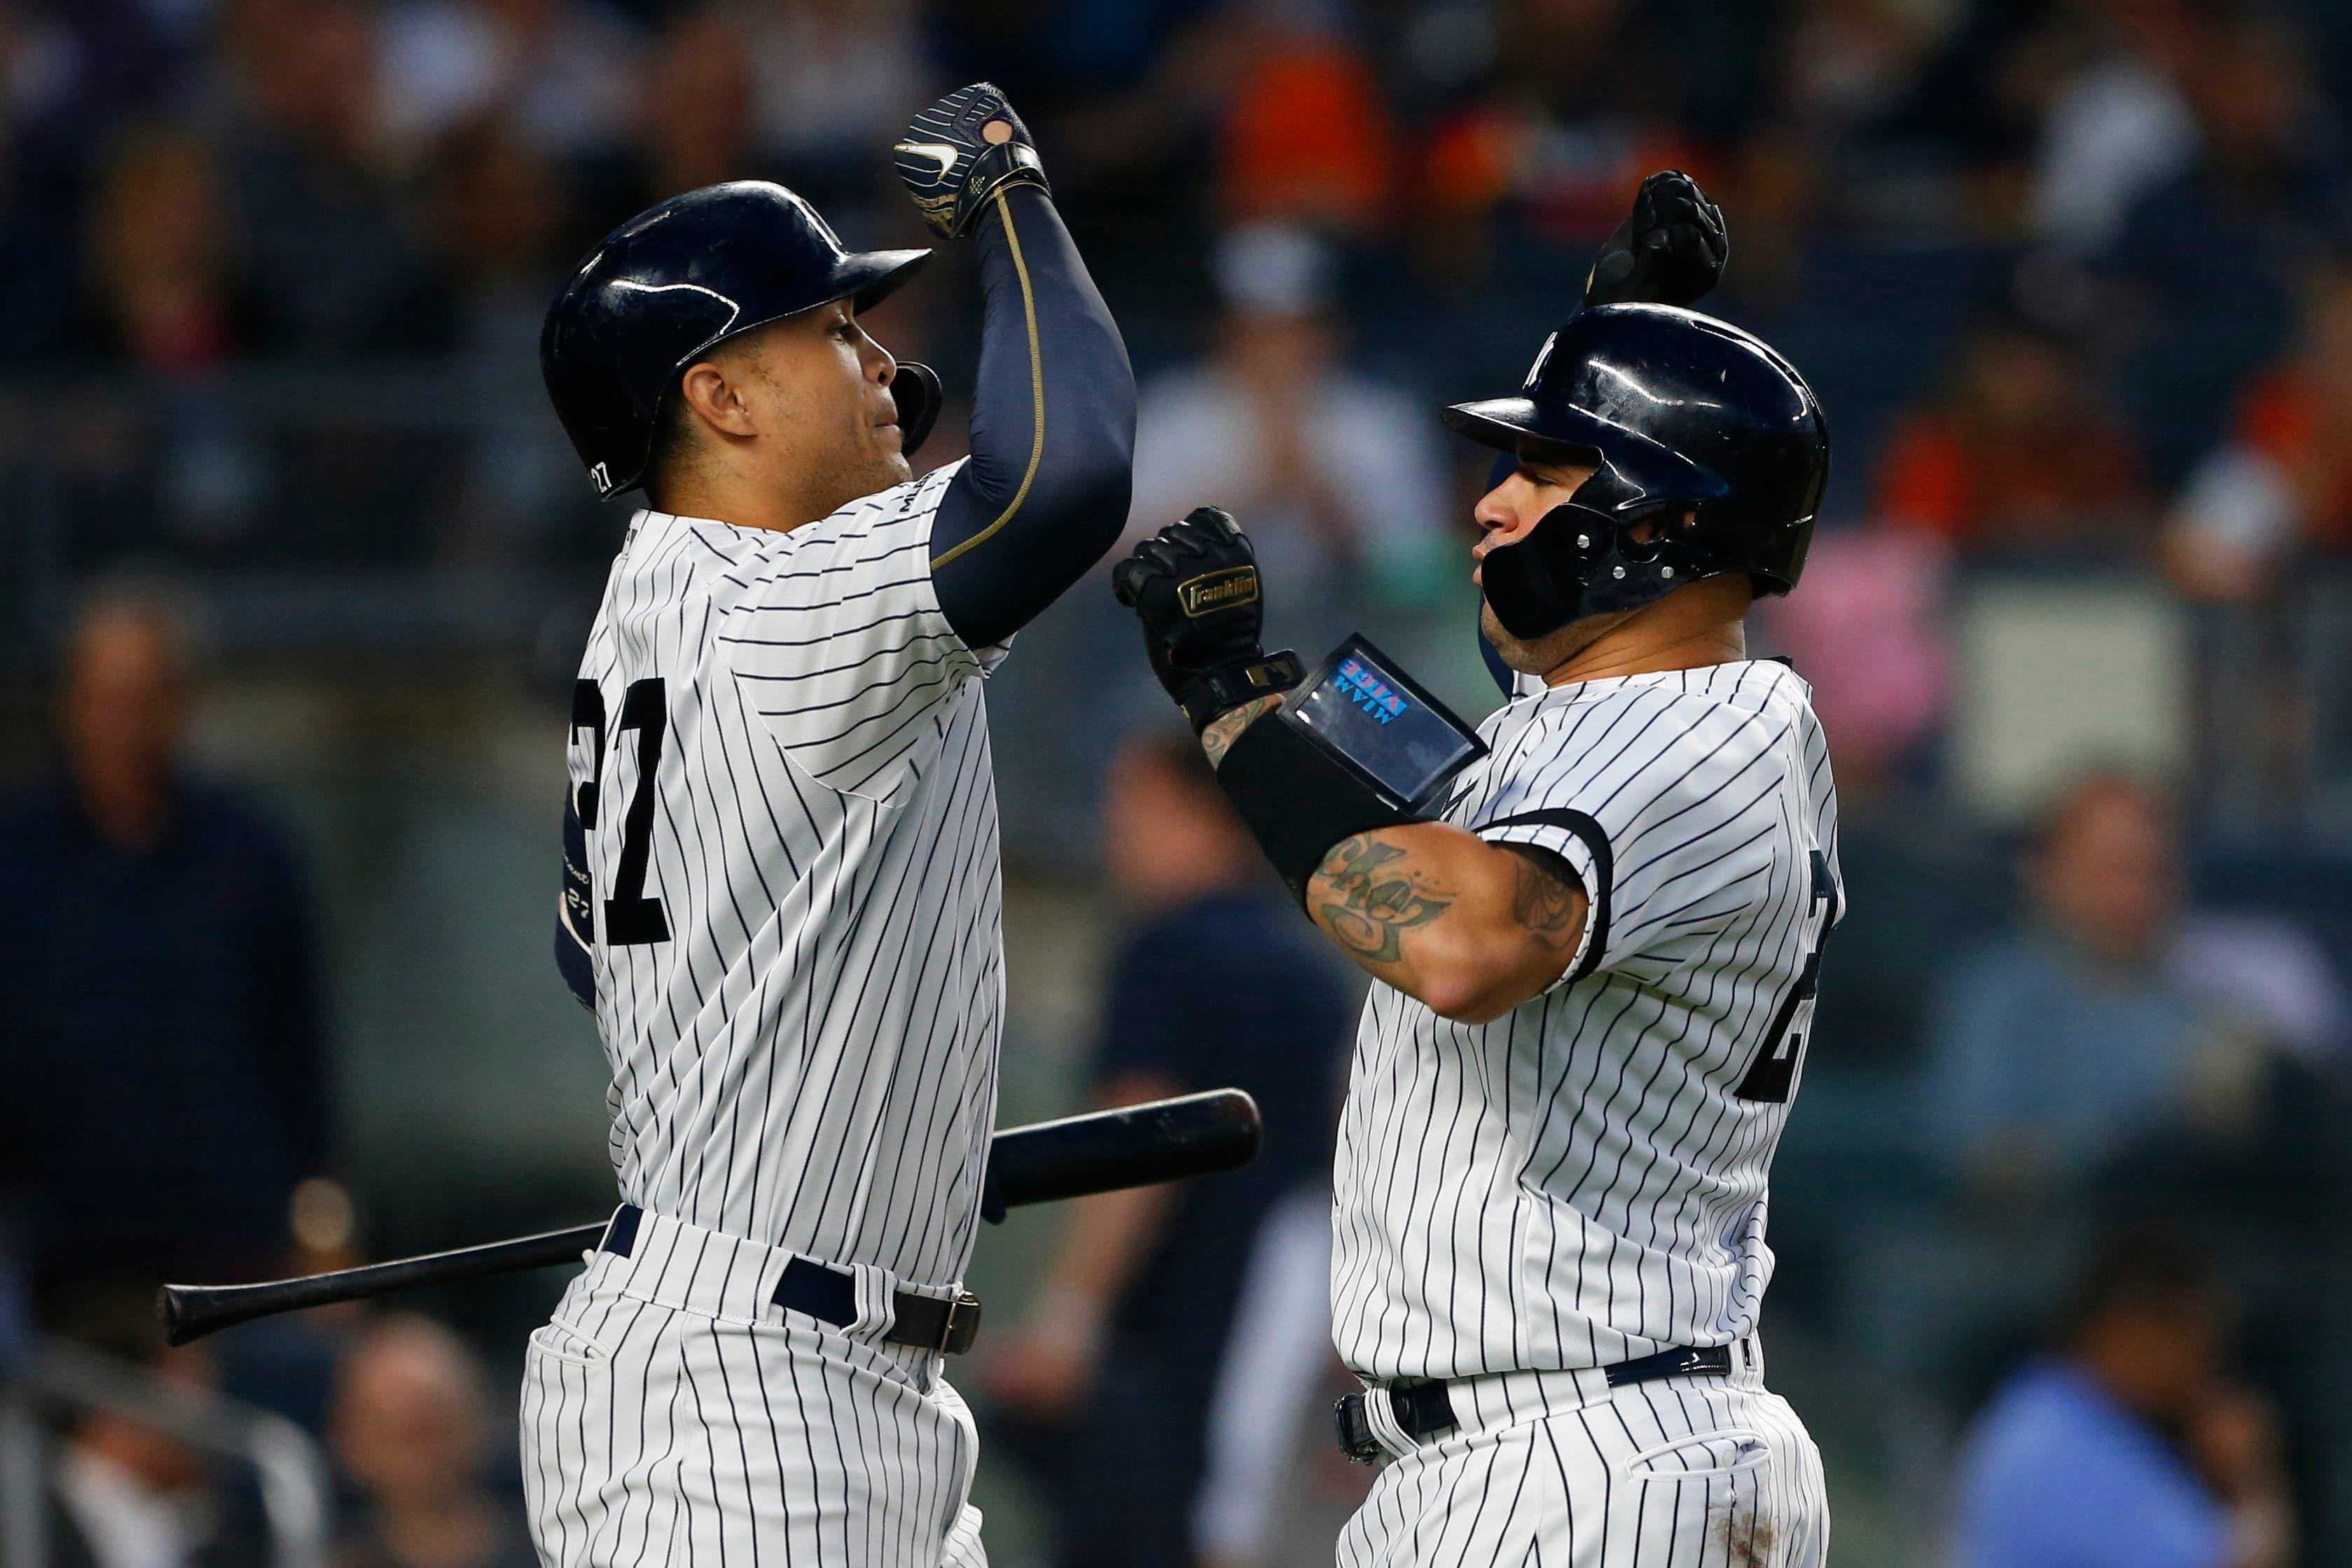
x=670, y=1415
x=803, y=1058
x=811, y=1061
x=1548, y=1468
x=1576, y=1184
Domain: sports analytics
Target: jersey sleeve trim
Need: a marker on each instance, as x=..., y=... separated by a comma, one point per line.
x=1577, y=838
x=1037, y=392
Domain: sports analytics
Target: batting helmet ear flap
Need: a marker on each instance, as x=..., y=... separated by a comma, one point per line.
x=916, y=391
x=1533, y=584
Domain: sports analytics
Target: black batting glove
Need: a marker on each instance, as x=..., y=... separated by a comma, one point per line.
x=963, y=150
x=1670, y=251
x=1194, y=586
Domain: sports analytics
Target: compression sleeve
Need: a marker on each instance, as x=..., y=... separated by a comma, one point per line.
x=1053, y=429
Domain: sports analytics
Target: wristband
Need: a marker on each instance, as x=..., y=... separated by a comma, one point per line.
x=1210, y=694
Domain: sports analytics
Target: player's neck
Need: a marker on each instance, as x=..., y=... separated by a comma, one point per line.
x=1689, y=629
x=735, y=500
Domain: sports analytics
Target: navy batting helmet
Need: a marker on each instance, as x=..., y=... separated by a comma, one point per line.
x=677, y=280
x=1681, y=412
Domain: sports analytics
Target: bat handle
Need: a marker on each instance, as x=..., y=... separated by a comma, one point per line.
x=192, y=1312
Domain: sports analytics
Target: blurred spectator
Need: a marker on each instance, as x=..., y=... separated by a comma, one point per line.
x=2016, y=457
x=496, y=211
x=308, y=165
x=2128, y=1447
x=2208, y=261
x=1306, y=137
x=1335, y=476
x=165, y=287
x=125, y=1494
x=2118, y=123
x=1574, y=114
x=2282, y=486
x=165, y=991
x=559, y=70
x=835, y=82
x=1866, y=633
x=44, y=143
x=2115, y=1010
x=1218, y=985
x=692, y=122
x=412, y=1431
x=1124, y=85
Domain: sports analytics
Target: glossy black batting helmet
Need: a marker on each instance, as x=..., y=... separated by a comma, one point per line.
x=677, y=280
x=1682, y=412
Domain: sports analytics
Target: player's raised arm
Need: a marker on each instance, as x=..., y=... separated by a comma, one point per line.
x=1053, y=429
x=1671, y=249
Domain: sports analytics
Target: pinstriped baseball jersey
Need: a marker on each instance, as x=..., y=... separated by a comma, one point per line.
x=780, y=773
x=1583, y=1180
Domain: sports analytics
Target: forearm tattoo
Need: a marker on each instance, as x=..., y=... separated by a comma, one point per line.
x=1545, y=900
x=1226, y=728
x=1368, y=901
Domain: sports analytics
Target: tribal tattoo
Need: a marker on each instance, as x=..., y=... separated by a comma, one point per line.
x=1377, y=900
x=1546, y=899
x=1227, y=728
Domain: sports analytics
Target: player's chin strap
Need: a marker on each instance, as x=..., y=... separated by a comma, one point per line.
x=1356, y=747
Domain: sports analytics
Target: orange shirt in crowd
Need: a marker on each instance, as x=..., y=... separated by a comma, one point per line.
x=1307, y=138
x=2284, y=416
x=1977, y=490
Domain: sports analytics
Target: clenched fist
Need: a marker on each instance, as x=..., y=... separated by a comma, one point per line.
x=1670, y=250
x=1194, y=585
x=963, y=150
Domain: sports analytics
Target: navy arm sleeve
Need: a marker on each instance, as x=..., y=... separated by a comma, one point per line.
x=1052, y=431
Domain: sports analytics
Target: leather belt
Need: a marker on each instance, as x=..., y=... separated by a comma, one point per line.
x=1425, y=1410
x=830, y=1295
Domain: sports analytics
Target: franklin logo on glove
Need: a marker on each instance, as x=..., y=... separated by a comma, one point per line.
x=1219, y=590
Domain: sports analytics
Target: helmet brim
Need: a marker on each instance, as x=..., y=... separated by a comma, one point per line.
x=1515, y=424
x=866, y=278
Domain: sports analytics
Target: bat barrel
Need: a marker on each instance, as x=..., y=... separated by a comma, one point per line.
x=1134, y=1145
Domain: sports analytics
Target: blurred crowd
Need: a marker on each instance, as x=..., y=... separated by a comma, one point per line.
x=2073, y=1163
x=2070, y=299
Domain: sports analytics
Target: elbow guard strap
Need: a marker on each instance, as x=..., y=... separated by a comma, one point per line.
x=1355, y=749
x=1298, y=799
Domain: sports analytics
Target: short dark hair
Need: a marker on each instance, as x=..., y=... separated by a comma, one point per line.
x=2145, y=1269
x=673, y=440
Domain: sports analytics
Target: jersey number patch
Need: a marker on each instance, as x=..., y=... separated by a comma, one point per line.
x=631, y=919
x=1775, y=1071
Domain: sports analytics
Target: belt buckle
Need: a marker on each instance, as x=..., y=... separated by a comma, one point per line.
x=1355, y=1430
x=961, y=1325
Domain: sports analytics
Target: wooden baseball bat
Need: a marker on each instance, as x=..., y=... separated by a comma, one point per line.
x=1133, y=1145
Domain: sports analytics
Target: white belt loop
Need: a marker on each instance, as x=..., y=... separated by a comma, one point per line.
x=878, y=1306
x=1379, y=1415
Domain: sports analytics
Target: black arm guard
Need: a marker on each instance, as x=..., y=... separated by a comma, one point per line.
x=1298, y=799
x=1356, y=747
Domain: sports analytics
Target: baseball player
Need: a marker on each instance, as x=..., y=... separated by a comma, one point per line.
x=1595, y=926
x=782, y=890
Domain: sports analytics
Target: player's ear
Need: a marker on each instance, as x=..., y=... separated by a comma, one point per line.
x=715, y=395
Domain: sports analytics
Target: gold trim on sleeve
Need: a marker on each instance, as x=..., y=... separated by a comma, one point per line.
x=1036, y=388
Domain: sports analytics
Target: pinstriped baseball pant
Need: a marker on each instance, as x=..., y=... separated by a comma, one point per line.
x=670, y=1415
x=1560, y=1470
